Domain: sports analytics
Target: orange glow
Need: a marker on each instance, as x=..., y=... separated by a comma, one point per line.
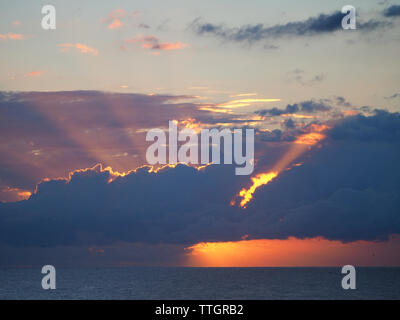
x=8, y=194
x=349, y=113
x=192, y=123
x=215, y=110
x=24, y=194
x=34, y=74
x=244, y=102
x=115, y=174
x=318, y=127
x=314, y=136
x=172, y=46
x=310, y=138
x=226, y=107
x=164, y=46
x=301, y=145
x=293, y=252
x=258, y=180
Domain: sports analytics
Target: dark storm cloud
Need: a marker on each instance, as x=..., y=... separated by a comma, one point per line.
x=289, y=124
x=309, y=106
x=322, y=24
x=348, y=190
x=277, y=135
x=290, y=109
x=383, y=126
x=178, y=205
x=393, y=11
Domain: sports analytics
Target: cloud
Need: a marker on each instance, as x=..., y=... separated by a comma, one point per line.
x=82, y=48
x=289, y=124
x=115, y=17
x=115, y=24
x=154, y=43
x=143, y=26
x=76, y=129
x=309, y=106
x=313, y=26
x=348, y=190
x=392, y=11
x=394, y=96
x=277, y=135
x=301, y=77
x=342, y=102
x=38, y=73
x=382, y=126
x=12, y=36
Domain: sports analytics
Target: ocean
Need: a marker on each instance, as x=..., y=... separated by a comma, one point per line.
x=200, y=283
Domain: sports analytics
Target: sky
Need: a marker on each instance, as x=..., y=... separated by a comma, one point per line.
x=76, y=103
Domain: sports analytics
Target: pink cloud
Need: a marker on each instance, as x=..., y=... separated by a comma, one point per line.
x=116, y=16
x=154, y=43
x=170, y=46
x=115, y=24
x=82, y=48
x=12, y=36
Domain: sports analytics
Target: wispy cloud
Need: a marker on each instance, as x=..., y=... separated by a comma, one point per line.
x=321, y=24
x=154, y=43
x=114, y=18
x=228, y=106
x=115, y=24
x=34, y=74
x=243, y=95
x=12, y=36
x=309, y=106
x=394, y=96
x=82, y=48
x=301, y=77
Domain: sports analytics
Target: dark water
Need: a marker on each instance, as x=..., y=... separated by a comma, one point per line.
x=200, y=283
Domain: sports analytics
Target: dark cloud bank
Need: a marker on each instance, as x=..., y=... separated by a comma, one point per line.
x=319, y=25
x=309, y=106
x=392, y=11
x=348, y=190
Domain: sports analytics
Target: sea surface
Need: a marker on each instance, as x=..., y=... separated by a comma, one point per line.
x=200, y=283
